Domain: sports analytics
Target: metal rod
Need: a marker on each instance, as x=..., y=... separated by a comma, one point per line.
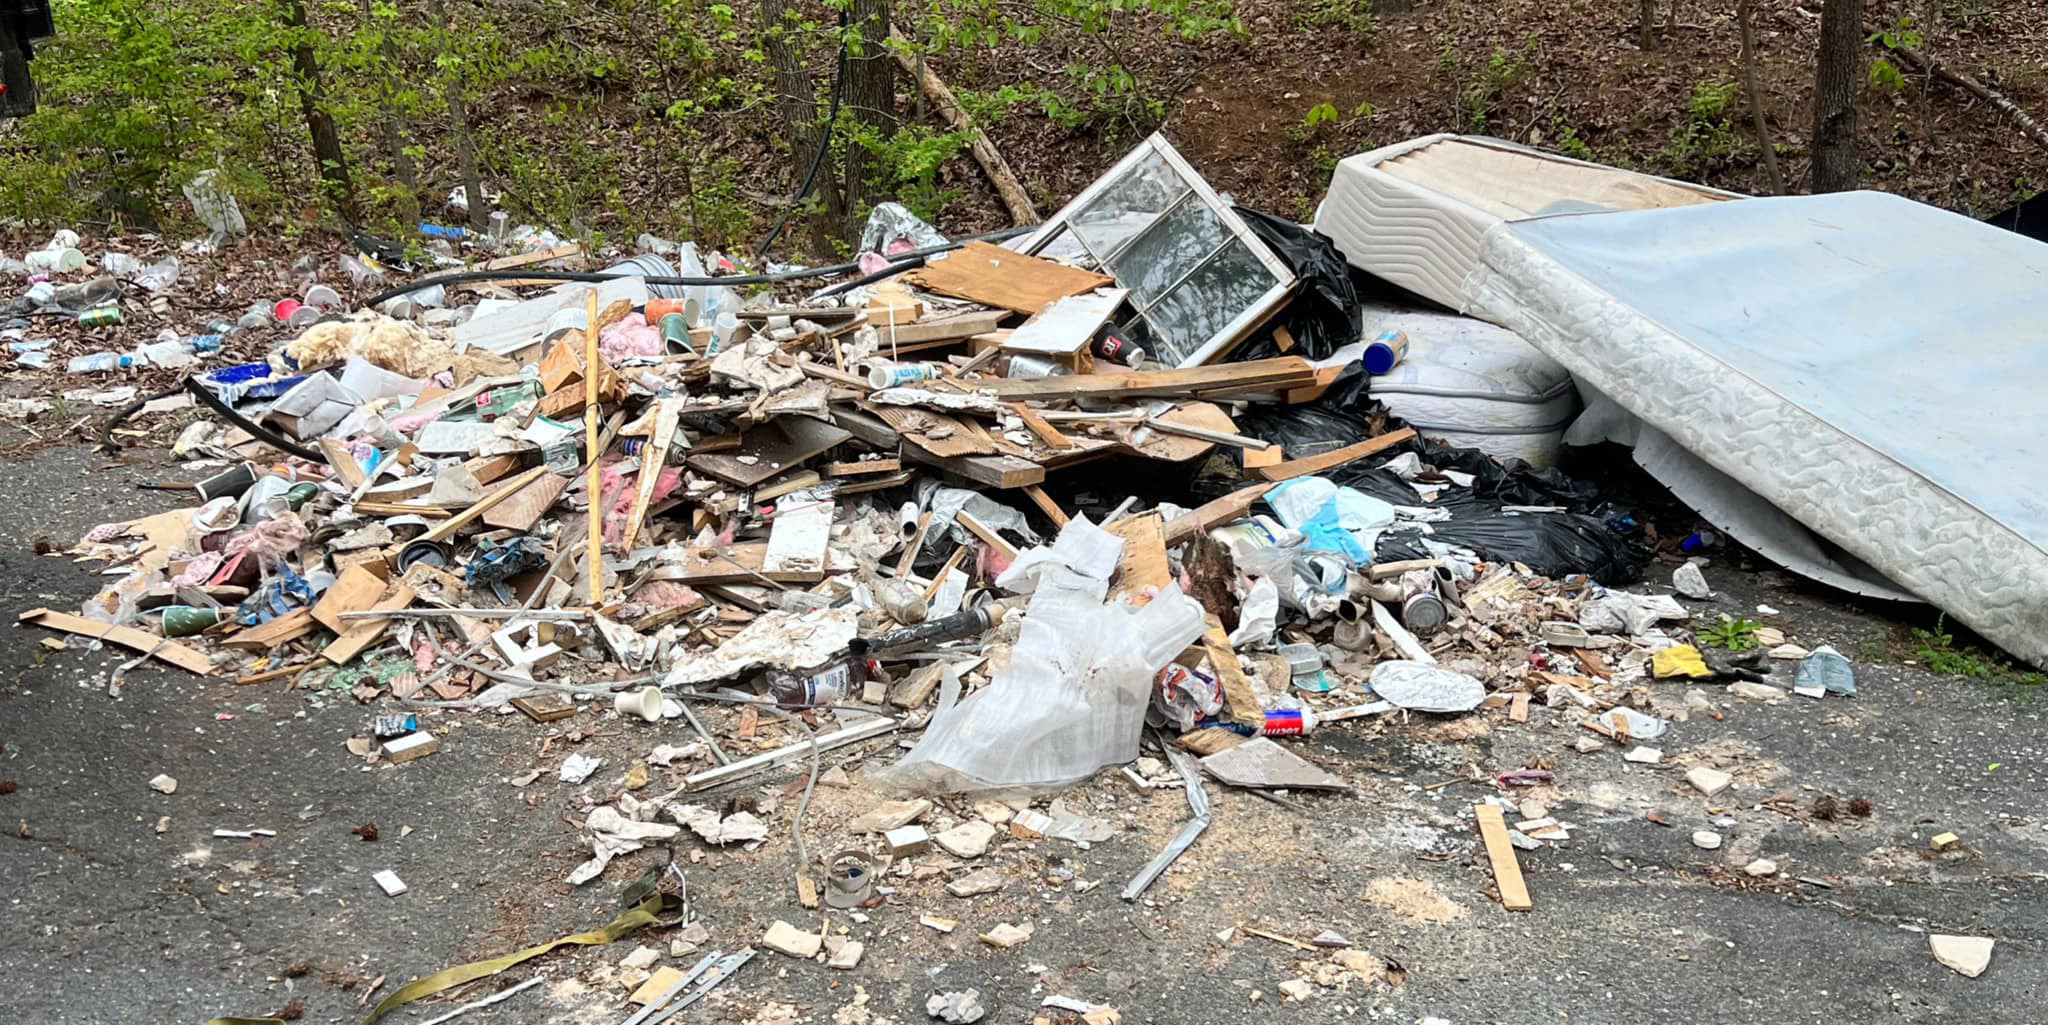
x=550, y=614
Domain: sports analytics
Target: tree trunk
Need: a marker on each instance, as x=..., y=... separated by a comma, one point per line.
x=871, y=95
x=333, y=164
x=458, y=112
x=1646, y=31
x=1838, y=73
x=1772, y=175
x=391, y=121
x=796, y=94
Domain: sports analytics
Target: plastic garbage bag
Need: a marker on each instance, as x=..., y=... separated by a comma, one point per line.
x=1551, y=544
x=893, y=230
x=1071, y=700
x=1324, y=314
x=1081, y=558
x=216, y=206
x=1257, y=617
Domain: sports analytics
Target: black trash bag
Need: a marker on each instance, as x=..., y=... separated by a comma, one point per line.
x=1513, y=482
x=1551, y=544
x=1324, y=314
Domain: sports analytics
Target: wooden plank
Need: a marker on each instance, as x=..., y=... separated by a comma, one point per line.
x=940, y=434
x=1329, y=460
x=662, y=434
x=788, y=483
x=1040, y=426
x=987, y=534
x=445, y=530
x=777, y=446
x=343, y=462
x=356, y=588
x=939, y=579
x=1507, y=872
x=1143, y=565
x=275, y=634
x=1251, y=377
x=364, y=632
x=1518, y=707
x=542, y=256
x=126, y=636
x=1215, y=512
x=994, y=471
x=430, y=512
x=593, y=568
x=525, y=507
x=1240, y=702
x=859, y=468
x=1046, y=505
x=1271, y=455
x=489, y=468
x=736, y=564
x=994, y=276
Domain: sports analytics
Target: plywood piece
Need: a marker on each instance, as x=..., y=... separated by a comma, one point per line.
x=662, y=434
x=355, y=589
x=1179, y=448
x=1143, y=566
x=736, y=564
x=1240, y=702
x=1040, y=426
x=364, y=632
x=1337, y=457
x=942, y=330
x=1253, y=377
x=1065, y=328
x=863, y=467
x=343, y=462
x=773, y=447
x=1271, y=455
x=1507, y=872
x=126, y=636
x=489, y=468
x=275, y=634
x=994, y=276
x=940, y=434
x=524, y=508
x=444, y=531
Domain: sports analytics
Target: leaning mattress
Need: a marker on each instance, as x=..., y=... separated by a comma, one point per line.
x=1871, y=366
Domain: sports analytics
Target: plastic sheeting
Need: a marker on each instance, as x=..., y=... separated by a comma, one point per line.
x=1324, y=314
x=1870, y=366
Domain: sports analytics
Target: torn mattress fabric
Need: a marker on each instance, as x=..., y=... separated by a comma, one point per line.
x=1872, y=367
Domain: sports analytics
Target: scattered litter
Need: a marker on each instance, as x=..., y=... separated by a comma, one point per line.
x=1709, y=782
x=1968, y=955
x=1706, y=839
x=959, y=1007
x=163, y=784
x=389, y=882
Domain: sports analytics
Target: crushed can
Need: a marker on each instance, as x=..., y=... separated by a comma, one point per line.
x=386, y=726
x=101, y=316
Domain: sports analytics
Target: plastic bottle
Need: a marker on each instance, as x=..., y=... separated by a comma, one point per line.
x=820, y=688
x=100, y=363
x=1290, y=722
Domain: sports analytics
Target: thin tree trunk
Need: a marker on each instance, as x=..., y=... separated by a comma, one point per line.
x=458, y=112
x=391, y=121
x=1775, y=178
x=333, y=164
x=871, y=94
x=1838, y=73
x=1646, y=34
x=796, y=93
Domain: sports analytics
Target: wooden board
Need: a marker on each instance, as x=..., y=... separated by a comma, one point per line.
x=994, y=276
x=1507, y=872
x=860, y=468
x=356, y=588
x=1179, y=448
x=994, y=471
x=652, y=455
x=776, y=446
x=1249, y=378
x=343, y=462
x=1040, y=426
x=449, y=528
x=126, y=636
x=919, y=425
x=1293, y=468
x=700, y=567
x=1046, y=505
x=1143, y=565
x=986, y=533
x=1240, y=702
x=364, y=632
x=524, y=508
x=275, y=634
x=1065, y=328
x=1215, y=513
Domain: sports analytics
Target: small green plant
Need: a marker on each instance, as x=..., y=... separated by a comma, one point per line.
x=1731, y=634
x=1568, y=141
x=1937, y=650
x=1883, y=73
x=1707, y=134
x=1482, y=96
x=1319, y=115
x=1353, y=16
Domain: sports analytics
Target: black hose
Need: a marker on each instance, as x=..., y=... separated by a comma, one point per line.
x=107, y=442
x=211, y=401
x=824, y=145
x=599, y=277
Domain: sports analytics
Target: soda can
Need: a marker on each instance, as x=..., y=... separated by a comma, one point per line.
x=101, y=316
x=394, y=725
x=1118, y=349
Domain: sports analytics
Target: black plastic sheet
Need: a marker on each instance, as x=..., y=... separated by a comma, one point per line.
x=1324, y=314
x=1551, y=544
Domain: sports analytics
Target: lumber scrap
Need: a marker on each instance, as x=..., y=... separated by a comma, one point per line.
x=995, y=471
x=1500, y=852
x=1253, y=377
x=735, y=564
x=994, y=276
x=1334, y=458
x=362, y=633
x=275, y=634
x=524, y=507
x=126, y=636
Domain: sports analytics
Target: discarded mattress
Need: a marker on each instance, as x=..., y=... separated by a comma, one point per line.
x=1415, y=213
x=1870, y=366
x=1473, y=384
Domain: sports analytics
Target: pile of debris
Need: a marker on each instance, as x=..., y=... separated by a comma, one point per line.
x=859, y=511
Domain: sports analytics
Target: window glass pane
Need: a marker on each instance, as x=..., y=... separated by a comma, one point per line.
x=1193, y=313
x=1129, y=203
x=1166, y=251
x=1064, y=246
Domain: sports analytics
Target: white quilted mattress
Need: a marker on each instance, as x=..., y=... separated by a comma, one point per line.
x=1872, y=367
x=1473, y=384
x=1415, y=213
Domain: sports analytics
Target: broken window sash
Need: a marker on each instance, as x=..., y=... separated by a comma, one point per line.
x=1198, y=276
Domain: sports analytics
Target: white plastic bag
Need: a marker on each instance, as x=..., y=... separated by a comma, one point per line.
x=1071, y=700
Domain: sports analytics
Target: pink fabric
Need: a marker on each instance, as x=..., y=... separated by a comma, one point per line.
x=628, y=338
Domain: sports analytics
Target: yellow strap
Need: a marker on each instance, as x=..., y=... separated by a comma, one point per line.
x=641, y=914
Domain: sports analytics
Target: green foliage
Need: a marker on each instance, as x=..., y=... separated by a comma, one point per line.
x=911, y=158
x=1883, y=73
x=1568, y=141
x=1937, y=650
x=1353, y=16
x=1707, y=134
x=1483, y=94
x=1731, y=634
